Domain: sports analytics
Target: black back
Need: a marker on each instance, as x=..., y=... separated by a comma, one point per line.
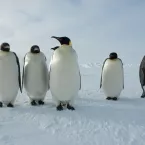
x=23, y=72
x=80, y=80
x=19, y=72
x=142, y=72
x=102, y=71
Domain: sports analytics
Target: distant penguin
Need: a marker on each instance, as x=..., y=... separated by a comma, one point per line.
x=112, y=77
x=10, y=77
x=35, y=75
x=65, y=78
x=142, y=76
x=54, y=48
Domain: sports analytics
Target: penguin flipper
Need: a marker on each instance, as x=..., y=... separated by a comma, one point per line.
x=142, y=79
x=49, y=79
x=23, y=77
x=19, y=72
x=80, y=80
x=143, y=76
x=23, y=72
x=102, y=72
x=123, y=71
x=142, y=72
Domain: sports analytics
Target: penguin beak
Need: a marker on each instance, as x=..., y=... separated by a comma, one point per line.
x=63, y=40
x=58, y=38
x=54, y=37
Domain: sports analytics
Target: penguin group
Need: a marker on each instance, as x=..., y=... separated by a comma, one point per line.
x=63, y=78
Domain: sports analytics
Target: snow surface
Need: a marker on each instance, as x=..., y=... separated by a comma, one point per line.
x=95, y=121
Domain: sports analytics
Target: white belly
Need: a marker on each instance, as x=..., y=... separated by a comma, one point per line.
x=36, y=79
x=9, y=85
x=64, y=78
x=112, y=78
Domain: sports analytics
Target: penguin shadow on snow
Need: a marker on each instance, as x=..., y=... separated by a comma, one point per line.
x=47, y=103
x=136, y=101
x=123, y=102
x=48, y=109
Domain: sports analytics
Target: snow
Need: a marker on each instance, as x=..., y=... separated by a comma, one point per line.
x=95, y=121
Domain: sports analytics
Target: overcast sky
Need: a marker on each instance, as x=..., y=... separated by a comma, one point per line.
x=96, y=27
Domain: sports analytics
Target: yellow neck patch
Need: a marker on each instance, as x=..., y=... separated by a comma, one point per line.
x=70, y=44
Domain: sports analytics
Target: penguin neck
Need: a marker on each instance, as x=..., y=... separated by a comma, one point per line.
x=113, y=59
x=65, y=45
x=35, y=52
x=65, y=48
x=5, y=50
x=4, y=53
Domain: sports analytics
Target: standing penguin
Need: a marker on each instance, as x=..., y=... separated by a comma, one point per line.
x=10, y=77
x=65, y=78
x=142, y=76
x=112, y=77
x=35, y=75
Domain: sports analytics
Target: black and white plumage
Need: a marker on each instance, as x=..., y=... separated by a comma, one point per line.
x=142, y=76
x=112, y=77
x=10, y=77
x=35, y=75
x=65, y=78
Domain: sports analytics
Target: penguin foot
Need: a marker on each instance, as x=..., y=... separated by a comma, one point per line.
x=59, y=107
x=40, y=102
x=143, y=96
x=33, y=103
x=10, y=105
x=108, y=98
x=115, y=98
x=1, y=104
x=70, y=107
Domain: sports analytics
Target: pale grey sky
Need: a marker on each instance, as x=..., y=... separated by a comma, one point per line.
x=96, y=27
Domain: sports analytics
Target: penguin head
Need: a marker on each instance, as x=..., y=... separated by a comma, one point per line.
x=113, y=55
x=35, y=49
x=5, y=47
x=54, y=48
x=63, y=40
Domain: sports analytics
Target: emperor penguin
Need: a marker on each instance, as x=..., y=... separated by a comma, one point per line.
x=35, y=76
x=112, y=77
x=10, y=77
x=65, y=77
x=142, y=76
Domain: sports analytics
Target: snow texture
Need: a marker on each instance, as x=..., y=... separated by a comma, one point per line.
x=95, y=121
